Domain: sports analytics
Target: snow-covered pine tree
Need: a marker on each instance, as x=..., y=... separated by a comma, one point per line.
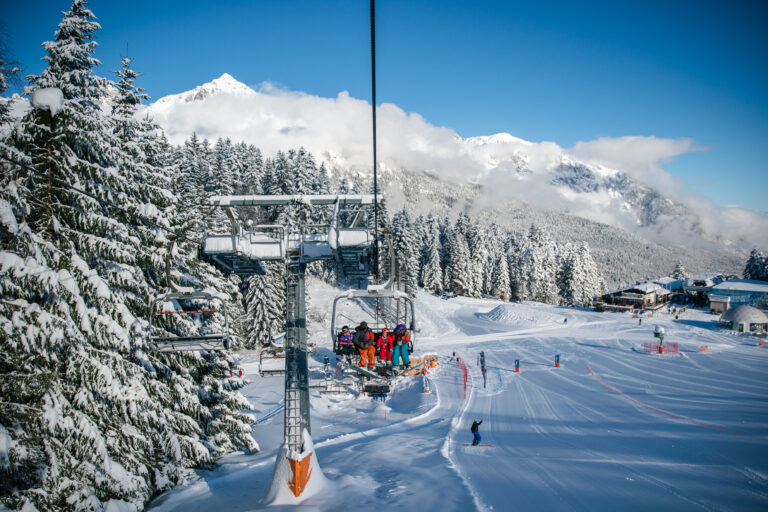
x=498, y=284
x=537, y=268
x=128, y=98
x=431, y=272
x=407, y=248
x=190, y=173
x=477, y=242
x=8, y=72
x=757, y=266
x=579, y=280
x=265, y=302
x=458, y=275
x=500, y=287
x=86, y=416
x=252, y=167
x=517, y=248
x=679, y=272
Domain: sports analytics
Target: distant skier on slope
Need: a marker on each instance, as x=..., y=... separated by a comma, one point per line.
x=475, y=429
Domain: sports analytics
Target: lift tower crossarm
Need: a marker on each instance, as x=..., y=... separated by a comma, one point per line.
x=363, y=199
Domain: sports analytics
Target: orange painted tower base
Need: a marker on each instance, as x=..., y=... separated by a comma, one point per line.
x=301, y=471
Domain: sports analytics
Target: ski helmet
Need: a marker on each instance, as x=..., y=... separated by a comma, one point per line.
x=400, y=328
x=345, y=328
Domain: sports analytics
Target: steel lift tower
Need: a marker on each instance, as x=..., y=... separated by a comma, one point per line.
x=244, y=249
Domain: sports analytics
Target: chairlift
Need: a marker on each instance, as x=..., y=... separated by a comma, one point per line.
x=389, y=307
x=271, y=363
x=193, y=303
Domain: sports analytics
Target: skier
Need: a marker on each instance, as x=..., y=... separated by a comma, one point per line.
x=639, y=321
x=363, y=340
x=475, y=429
x=346, y=344
x=400, y=346
x=384, y=346
x=565, y=320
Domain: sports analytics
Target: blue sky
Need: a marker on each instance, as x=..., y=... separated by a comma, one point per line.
x=559, y=71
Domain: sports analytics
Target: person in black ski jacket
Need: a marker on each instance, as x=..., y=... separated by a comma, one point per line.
x=476, y=432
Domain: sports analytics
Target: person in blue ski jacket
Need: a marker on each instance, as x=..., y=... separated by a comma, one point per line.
x=475, y=429
x=346, y=346
x=400, y=346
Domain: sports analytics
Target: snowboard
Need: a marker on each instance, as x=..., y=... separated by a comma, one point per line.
x=478, y=445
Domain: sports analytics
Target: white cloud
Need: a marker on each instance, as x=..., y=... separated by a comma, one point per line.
x=640, y=157
x=339, y=130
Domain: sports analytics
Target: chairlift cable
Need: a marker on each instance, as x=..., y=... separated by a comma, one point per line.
x=373, y=109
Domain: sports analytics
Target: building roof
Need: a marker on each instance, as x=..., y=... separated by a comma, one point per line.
x=742, y=285
x=664, y=280
x=642, y=287
x=709, y=279
x=744, y=315
x=646, y=287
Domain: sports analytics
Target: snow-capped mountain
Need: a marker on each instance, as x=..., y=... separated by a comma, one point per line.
x=541, y=174
x=225, y=84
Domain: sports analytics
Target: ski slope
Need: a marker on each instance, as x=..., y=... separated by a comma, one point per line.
x=613, y=428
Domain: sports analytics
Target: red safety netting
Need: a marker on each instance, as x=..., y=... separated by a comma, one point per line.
x=653, y=348
x=464, y=369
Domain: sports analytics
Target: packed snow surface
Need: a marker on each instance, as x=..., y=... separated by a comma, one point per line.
x=613, y=428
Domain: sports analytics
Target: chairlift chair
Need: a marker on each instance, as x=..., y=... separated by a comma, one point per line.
x=182, y=343
x=382, y=317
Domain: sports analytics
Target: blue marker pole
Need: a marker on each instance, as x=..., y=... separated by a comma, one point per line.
x=557, y=360
x=517, y=366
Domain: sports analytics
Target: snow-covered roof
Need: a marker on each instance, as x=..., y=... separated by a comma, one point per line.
x=704, y=276
x=646, y=287
x=643, y=287
x=664, y=280
x=742, y=285
x=708, y=278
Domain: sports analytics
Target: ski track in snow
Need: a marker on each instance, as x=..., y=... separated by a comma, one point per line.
x=612, y=428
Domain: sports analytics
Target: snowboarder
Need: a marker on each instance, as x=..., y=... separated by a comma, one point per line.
x=384, y=346
x=475, y=429
x=363, y=340
x=400, y=346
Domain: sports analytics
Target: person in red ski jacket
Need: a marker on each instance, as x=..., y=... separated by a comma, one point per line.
x=384, y=346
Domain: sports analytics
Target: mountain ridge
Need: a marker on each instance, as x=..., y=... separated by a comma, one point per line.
x=507, y=167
